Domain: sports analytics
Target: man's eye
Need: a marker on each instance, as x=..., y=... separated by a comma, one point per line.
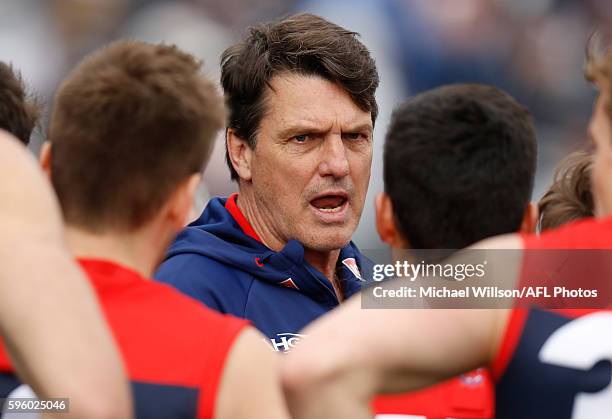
x=300, y=138
x=353, y=136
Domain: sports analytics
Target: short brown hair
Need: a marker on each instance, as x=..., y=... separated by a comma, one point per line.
x=569, y=198
x=304, y=44
x=130, y=122
x=19, y=112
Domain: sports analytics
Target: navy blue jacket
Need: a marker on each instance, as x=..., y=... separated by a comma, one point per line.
x=218, y=260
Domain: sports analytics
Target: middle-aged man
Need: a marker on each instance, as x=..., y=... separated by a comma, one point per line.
x=299, y=143
x=50, y=321
x=547, y=363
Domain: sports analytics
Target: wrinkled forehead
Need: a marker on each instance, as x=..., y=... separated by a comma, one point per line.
x=296, y=98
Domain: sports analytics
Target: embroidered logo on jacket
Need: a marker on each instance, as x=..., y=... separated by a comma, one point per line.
x=351, y=263
x=289, y=284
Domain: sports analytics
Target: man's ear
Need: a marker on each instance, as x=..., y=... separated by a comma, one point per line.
x=45, y=158
x=180, y=204
x=385, y=222
x=240, y=154
x=530, y=219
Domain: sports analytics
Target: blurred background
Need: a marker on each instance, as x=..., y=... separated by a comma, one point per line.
x=534, y=49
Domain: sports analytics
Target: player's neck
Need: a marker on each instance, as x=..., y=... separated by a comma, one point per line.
x=325, y=262
x=140, y=251
x=259, y=220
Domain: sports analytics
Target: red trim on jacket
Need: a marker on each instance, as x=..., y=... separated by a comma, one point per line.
x=232, y=207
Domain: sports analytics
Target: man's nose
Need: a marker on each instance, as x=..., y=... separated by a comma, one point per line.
x=334, y=159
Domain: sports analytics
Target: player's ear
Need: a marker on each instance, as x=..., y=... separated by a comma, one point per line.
x=385, y=222
x=180, y=203
x=530, y=219
x=240, y=154
x=45, y=158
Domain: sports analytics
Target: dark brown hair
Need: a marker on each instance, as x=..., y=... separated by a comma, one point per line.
x=304, y=44
x=130, y=122
x=459, y=165
x=19, y=113
x=569, y=198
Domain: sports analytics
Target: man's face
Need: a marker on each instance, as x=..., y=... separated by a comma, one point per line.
x=600, y=132
x=311, y=165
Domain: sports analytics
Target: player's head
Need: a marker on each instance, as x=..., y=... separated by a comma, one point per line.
x=131, y=128
x=459, y=165
x=18, y=113
x=599, y=71
x=569, y=198
x=300, y=93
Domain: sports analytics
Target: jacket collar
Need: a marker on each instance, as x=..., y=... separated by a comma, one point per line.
x=223, y=233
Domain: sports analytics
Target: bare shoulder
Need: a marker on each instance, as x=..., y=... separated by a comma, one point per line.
x=507, y=241
x=27, y=201
x=251, y=364
x=15, y=160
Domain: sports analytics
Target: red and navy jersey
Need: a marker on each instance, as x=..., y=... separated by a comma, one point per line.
x=469, y=396
x=173, y=348
x=590, y=233
x=557, y=363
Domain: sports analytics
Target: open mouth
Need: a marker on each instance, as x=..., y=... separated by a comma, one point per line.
x=330, y=203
